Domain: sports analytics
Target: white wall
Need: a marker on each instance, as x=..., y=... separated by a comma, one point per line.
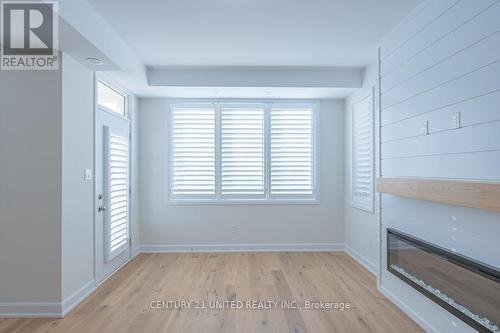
x=442, y=59
x=169, y=226
x=30, y=187
x=361, y=227
x=77, y=195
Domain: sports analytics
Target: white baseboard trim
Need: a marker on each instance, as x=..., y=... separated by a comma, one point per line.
x=30, y=310
x=135, y=251
x=409, y=312
x=46, y=309
x=203, y=248
x=77, y=297
x=371, y=267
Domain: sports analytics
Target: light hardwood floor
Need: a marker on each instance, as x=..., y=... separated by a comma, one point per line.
x=123, y=302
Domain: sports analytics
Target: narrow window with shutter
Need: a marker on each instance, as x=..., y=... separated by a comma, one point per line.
x=362, y=154
x=292, y=152
x=193, y=139
x=242, y=151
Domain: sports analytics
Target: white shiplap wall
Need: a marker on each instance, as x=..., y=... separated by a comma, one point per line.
x=444, y=58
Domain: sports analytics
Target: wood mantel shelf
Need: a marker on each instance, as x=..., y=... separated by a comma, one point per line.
x=484, y=196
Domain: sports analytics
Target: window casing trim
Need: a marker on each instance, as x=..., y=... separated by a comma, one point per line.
x=245, y=199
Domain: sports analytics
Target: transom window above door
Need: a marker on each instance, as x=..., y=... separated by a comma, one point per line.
x=258, y=152
x=110, y=99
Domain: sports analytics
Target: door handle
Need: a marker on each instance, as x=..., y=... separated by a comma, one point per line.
x=101, y=209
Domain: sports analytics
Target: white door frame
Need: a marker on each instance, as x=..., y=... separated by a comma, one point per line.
x=99, y=76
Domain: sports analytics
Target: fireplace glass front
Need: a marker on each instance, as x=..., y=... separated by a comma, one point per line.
x=465, y=287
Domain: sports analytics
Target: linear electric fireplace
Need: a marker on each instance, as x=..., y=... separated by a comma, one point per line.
x=465, y=287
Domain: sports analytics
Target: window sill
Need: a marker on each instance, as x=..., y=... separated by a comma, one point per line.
x=241, y=202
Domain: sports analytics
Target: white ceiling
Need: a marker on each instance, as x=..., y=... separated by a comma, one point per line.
x=254, y=32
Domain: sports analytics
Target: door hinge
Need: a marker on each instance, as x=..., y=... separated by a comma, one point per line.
x=130, y=242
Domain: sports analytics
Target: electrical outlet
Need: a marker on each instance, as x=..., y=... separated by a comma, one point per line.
x=234, y=229
x=455, y=120
x=424, y=128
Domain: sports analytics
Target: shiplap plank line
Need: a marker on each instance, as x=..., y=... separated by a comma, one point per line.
x=424, y=15
x=449, y=21
x=479, y=110
x=463, y=140
x=469, y=166
x=407, y=99
x=481, y=26
x=484, y=53
x=470, y=85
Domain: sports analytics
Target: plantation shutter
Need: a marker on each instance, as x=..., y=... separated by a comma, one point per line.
x=292, y=152
x=362, y=154
x=117, y=193
x=193, y=152
x=242, y=151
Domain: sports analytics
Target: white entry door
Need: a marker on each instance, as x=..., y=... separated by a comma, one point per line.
x=112, y=228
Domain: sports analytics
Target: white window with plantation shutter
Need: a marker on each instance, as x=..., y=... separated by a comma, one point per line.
x=362, y=154
x=242, y=159
x=252, y=152
x=192, y=157
x=292, y=152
